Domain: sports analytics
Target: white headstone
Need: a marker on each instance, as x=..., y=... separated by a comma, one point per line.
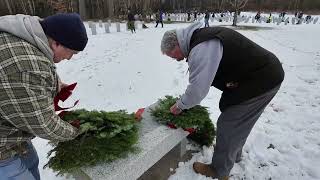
x=247, y=20
x=225, y=18
x=109, y=22
x=100, y=23
x=90, y=24
x=264, y=19
x=106, y=27
x=136, y=24
x=118, y=27
x=293, y=20
x=94, y=29
x=315, y=20
x=279, y=20
x=286, y=21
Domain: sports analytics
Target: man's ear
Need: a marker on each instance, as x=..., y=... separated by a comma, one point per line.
x=52, y=43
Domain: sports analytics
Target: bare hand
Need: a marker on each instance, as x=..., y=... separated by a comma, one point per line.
x=175, y=109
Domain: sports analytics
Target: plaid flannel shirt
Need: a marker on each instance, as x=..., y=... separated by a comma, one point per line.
x=28, y=84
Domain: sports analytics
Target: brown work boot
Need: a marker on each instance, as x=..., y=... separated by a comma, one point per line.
x=206, y=170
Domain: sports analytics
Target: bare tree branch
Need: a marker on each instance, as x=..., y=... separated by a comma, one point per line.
x=8, y=6
x=244, y=2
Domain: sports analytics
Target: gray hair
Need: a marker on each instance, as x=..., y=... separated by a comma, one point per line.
x=169, y=41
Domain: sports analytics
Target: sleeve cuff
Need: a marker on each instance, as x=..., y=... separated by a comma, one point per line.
x=180, y=105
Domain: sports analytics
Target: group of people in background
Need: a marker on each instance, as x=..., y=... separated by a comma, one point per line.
x=282, y=15
x=132, y=18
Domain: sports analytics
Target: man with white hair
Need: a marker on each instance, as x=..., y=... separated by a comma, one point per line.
x=248, y=75
x=29, y=47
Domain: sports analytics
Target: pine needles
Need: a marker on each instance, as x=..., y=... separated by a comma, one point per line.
x=196, y=117
x=104, y=137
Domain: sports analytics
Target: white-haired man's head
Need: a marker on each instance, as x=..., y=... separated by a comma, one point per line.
x=170, y=45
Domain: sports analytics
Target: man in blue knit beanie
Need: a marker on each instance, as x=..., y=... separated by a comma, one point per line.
x=29, y=47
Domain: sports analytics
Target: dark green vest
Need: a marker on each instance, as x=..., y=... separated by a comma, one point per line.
x=246, y=69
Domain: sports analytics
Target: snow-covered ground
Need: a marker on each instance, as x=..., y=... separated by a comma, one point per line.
x=128, y=71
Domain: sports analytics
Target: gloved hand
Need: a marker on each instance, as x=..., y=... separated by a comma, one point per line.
x=175, y=110
x=75, y=123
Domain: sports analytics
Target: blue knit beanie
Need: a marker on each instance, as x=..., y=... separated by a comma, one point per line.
x=67, y=29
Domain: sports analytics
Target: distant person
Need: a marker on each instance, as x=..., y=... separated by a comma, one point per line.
x=159, y=18
x=269, y=18
x=300, y=17
x=282, y=16
x=258, y=16
x=206, y=19
x=131, y=20
x=308, y=18
x=136, y=17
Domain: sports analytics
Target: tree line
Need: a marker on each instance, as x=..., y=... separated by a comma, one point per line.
x=91, y=9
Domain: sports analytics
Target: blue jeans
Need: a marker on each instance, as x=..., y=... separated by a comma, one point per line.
x=21, y=167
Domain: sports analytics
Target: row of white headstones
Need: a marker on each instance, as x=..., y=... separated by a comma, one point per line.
x=225, y=18
x=107, y=26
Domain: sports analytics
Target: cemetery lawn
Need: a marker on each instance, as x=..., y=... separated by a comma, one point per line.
x=122, y=70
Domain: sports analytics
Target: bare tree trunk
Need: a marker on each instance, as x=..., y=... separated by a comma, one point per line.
x=34, y=7
x=30, y=7
x=82, y=9
x=23, y=7
x=220, y=4
x=99, y=10
x=8, y=6
x=111, y=7
x=237, y=6
x=235, y=15
x=92, y=9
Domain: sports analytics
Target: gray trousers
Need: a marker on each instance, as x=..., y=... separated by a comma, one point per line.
x=233, y=128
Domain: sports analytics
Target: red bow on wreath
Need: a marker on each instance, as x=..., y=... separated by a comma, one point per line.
x=63, y=95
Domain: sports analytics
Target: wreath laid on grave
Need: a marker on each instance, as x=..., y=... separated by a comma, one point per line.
x=104, y=137
x=195, y=120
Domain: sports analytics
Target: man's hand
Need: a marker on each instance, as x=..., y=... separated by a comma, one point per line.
x=175, y=109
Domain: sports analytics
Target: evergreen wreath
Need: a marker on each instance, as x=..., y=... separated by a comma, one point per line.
x=104, y=137
x=196, y=117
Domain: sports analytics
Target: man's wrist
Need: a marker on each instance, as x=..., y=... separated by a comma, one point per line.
x=178, y=106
